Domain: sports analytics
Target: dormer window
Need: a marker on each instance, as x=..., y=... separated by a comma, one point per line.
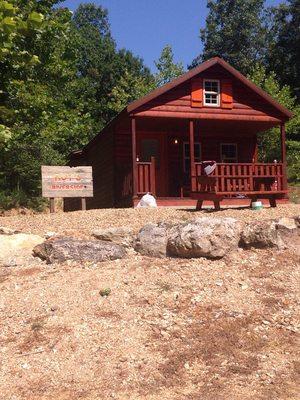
x=211, y=92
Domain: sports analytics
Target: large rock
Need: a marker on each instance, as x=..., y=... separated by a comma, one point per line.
x=297, y=221
x=152, y=240
x=261, y=234
x=204, y=237
x=66, y=248
x=17, y=245
x=287, y=224
x=123, y=236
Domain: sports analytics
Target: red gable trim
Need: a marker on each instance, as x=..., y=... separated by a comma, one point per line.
x=195, y=71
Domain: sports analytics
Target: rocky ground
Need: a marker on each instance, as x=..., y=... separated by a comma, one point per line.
x=149, y=328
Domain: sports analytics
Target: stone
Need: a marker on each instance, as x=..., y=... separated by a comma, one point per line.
x=152, y=240
x=289, y=232
x=7, y=231
x=286, y=224
x=50, y=234
x=122, y=236
x=297, y=221
x=204, y=237
x=62, y=249
x=261, y=234
x=16, y=245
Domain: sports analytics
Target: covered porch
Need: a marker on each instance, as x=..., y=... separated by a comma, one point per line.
x=169, y=156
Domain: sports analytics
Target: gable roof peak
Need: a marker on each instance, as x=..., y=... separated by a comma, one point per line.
x=197, y=70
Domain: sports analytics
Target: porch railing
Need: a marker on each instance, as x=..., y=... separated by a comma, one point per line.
x=146, y=177
x=229, y=178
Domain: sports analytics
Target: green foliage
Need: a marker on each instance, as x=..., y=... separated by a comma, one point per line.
x=284, y=54
x=269, y=142
x=234, y=31
x=167, y=69
x=61, y=79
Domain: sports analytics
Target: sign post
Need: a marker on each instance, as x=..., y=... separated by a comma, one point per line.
x=67, y=182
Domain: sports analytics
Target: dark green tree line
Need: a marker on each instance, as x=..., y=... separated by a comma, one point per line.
x=264, y=44
x=62, y=80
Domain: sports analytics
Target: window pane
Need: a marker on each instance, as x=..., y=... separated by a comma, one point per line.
x=208, y=86
x=211, y=98
x=211, y=86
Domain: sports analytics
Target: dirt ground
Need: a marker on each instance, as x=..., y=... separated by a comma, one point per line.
x=83, y=222
x=169, y=329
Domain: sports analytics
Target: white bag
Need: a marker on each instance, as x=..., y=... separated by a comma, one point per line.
x=147, y=201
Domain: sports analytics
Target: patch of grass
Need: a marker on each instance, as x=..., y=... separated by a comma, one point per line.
x=105, y=292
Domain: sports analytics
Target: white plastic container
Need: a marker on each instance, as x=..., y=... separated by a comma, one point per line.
x=257, y=205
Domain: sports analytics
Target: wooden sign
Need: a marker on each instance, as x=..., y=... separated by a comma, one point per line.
x=67, y=181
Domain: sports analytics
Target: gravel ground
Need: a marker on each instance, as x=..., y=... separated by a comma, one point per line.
x=82, y=222
x=169, y=329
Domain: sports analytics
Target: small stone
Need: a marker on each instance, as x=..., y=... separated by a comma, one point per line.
x=176, y=296
x=7, y=231
x=244, y=286
x=265, y=322
x=187, y=366
x=49, y=235
x=105, y=292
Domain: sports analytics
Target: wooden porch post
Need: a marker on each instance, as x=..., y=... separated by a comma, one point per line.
x=192, y=155
x=134, y=165
x=283, y=155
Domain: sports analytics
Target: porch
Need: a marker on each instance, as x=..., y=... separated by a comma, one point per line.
x=169, y=162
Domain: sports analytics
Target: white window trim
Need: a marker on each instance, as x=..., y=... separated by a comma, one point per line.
x=234, y=160
x=184, y=158
x=210, y=92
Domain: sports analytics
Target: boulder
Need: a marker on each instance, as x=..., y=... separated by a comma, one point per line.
x=297, y=221
x=204, y=237
x=261, y=234
x=152, y=240
x=286, y=224
x=122, y=236
x=17, y=245
x=61, y=249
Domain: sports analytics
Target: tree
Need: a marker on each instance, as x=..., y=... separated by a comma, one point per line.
x=102, y=68
x=15, y=28
x=269, y=142
x=235, y=31
x=284, y=54
x=60, y=83
x=167, y=69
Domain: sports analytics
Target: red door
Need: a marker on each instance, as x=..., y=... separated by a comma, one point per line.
x=151, y=145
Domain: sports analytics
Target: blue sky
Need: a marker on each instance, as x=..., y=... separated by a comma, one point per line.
x=146, y=26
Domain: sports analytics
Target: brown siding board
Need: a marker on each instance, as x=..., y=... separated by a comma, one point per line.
x=245, y=101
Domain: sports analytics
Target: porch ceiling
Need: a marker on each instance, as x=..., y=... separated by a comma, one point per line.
x=175, y=125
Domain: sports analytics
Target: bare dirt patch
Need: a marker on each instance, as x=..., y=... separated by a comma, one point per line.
x=168, y=329
x=80, y=222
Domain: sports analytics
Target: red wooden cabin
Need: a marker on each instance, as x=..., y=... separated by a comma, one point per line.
x=160, y=143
